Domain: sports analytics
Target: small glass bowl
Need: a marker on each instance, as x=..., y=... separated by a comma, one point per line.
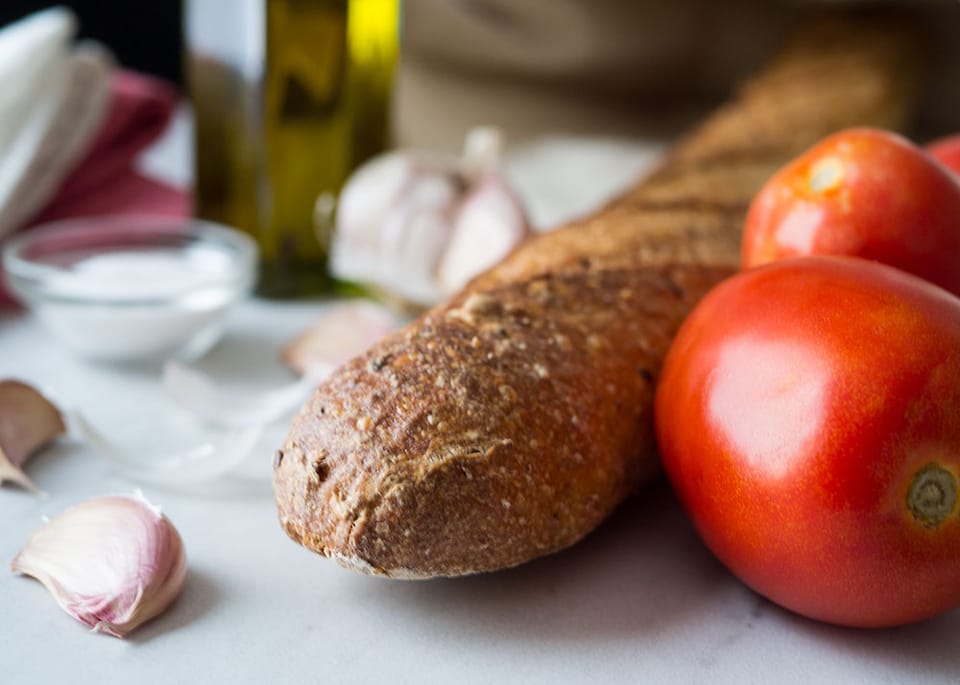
x=132, y=288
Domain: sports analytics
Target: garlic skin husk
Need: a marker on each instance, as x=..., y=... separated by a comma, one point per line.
x=343, y=331
x=111, y=562
x=28, y=421
x=419, y=225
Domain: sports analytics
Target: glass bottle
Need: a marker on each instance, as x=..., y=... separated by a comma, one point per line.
x=289, y=97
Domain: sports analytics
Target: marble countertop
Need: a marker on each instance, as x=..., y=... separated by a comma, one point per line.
x=639, y=600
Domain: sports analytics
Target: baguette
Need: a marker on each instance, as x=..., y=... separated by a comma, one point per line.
x=509, y=422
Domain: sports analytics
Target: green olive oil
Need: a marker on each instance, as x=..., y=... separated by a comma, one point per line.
x=282, y=119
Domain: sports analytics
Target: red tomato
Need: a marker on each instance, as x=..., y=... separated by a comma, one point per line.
x=947, y=152
x=861, y=193
x=808, y=415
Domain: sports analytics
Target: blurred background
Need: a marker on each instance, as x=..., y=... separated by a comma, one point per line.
x=145, y=36
x=254, y=113
x=606, y=66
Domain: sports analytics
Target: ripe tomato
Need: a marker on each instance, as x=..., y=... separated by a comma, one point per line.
x=808, y=416
x=862, y=193
x=947, y=152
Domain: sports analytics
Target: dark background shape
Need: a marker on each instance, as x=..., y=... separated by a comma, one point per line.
x=145, y=36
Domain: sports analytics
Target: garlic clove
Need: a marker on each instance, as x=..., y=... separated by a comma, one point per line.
x=28, y=421
x=413, y=237
x=490, y=223
x=344, y=330
x=417, y=226
x=368, y=195
x=111, y=562
x=391, y=219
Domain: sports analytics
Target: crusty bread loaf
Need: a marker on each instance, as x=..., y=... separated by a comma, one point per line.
x=508, y=423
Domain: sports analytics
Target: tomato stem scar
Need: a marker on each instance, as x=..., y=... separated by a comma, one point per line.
x=932, y=496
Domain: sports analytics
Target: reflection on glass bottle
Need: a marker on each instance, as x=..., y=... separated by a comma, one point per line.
x=289, y=96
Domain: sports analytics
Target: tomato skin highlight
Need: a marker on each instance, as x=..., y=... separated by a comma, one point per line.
x=804, y=412
x=863, y=193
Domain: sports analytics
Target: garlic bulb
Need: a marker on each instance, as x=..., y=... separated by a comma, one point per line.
x=111, y=562
x=28, y=421
x=420, y=225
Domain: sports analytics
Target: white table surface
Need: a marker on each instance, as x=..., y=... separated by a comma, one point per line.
x=639, y=600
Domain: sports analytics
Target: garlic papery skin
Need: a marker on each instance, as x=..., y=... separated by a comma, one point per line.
x=111, y=562
x=417, y=226
x=343, y=330
x=28, y=421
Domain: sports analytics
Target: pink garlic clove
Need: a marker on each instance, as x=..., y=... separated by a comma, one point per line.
x=490, y=223
x=28, y=421
x=111, y=562
x=343, y=331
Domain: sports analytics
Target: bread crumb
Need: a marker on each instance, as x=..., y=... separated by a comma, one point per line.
x=562, y=341
x=481, y=303
x=476, y=307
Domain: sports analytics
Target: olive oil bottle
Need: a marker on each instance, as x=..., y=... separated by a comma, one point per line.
x=289, y=97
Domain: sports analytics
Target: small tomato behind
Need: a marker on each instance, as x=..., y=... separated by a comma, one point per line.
x=808, y=416
x=861, y=193
x=947, y=152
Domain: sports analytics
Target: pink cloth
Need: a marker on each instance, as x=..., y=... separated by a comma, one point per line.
x=105, y=181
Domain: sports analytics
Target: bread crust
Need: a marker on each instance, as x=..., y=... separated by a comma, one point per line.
x=509, y=422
